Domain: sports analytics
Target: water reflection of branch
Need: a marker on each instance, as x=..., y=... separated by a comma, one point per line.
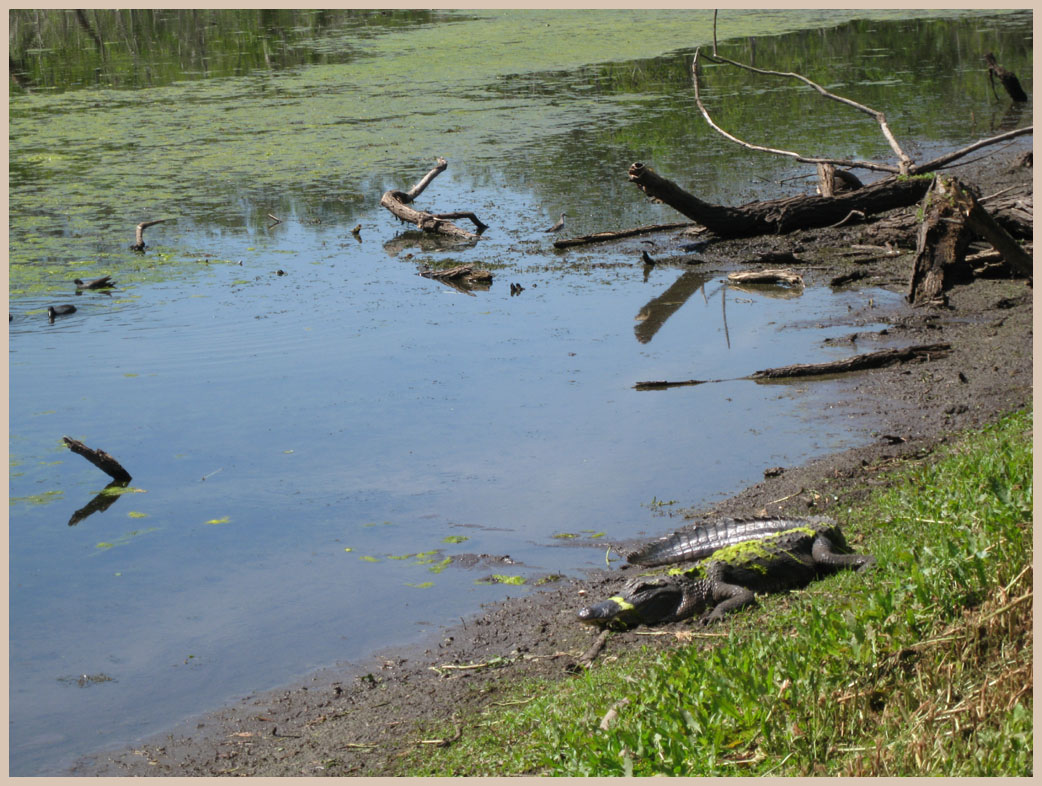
x=654, y=315
x=723, y=310
x=102, y=502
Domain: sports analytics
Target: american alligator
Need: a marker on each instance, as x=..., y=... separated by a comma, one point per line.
x=738, y=557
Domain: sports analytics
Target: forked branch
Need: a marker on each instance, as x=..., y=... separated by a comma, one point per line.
x=905, y=165
x=878, y=116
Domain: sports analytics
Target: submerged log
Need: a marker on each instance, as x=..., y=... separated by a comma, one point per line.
x=397, y=202
x=100, y=459
x=779, y=216
x=884, y=357
x=468, y=272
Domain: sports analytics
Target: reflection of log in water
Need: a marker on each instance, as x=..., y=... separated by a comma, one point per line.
x=102, y=502
x=654, y=315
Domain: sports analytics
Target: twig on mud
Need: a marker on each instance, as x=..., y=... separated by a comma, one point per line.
x=681, y=635
x=775, y=502
x=587, y=657
x=511, y=703
x=853, y=213
x=447, y=741
x=359, y=745
x=497, y=661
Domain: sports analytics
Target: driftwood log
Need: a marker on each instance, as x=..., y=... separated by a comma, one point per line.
x=100, y=459
x=884, y=357
x=787, y=277
x=779, y=216
x=398, y=203
x=868, y=360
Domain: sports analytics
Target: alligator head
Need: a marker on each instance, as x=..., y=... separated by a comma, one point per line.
x=642, y=600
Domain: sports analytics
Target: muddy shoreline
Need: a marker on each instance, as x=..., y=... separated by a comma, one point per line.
x=361, y=718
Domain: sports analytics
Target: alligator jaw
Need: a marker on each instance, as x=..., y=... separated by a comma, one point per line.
x=640, y=601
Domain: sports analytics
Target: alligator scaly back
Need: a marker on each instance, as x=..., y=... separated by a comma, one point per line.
x=701, y=540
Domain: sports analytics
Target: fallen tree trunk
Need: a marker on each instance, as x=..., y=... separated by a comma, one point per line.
x=100, y=459
x=603, y=237
x=397, y=202
x=779, y=216
x=884, y=357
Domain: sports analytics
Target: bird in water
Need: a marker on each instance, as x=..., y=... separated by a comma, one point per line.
x=558, y=226
x=58, y=311
x=648, y=260
x=105, y=282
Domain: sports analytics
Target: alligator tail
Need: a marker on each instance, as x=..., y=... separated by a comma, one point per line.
x=701, y=540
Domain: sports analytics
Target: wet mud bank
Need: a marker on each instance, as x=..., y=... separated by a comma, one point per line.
x=361, y=718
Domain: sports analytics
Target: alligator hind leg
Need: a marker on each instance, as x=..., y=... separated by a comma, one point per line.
x=824, y=553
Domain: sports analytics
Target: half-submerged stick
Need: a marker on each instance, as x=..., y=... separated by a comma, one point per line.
x=99, y=458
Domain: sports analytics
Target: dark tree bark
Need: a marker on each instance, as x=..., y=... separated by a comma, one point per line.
x=952, y=216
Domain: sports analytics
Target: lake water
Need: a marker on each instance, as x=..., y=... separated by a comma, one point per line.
x=308, y=449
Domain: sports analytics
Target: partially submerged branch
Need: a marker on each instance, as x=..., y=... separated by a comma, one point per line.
x=397, y=202
x=602, y=237
x=100, y=459
x=868, y=360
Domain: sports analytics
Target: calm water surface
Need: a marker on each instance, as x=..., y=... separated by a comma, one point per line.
x=309, y=448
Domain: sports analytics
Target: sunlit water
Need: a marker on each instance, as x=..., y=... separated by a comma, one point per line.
x=309, y=448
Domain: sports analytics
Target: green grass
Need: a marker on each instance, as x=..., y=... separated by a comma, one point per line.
x=920, y=667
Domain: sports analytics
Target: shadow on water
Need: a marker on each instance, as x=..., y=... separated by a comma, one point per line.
x=315, y=430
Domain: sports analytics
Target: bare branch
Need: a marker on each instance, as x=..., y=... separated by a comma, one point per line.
x=944, y=160
x=879, y=117
x=797, y=156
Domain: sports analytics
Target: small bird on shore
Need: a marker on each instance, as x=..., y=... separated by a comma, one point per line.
x=58, y=311
x=558, y=226
x=105, y=282
x=647, y=258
